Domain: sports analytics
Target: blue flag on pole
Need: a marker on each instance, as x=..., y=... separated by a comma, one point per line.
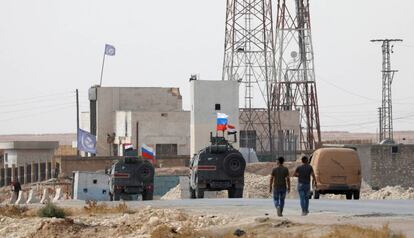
x=109, y=50
x=86, y=142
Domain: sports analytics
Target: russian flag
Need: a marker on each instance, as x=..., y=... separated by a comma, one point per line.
x=147, y=153
x=221, y=121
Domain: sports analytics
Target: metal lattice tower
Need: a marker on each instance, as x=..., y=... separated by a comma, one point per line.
x=295, y=69
x=249, y=59
x=386, y=123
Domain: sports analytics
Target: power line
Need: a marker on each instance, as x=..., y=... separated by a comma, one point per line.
x=346, y=90
x=35, y=97
x=38, y=113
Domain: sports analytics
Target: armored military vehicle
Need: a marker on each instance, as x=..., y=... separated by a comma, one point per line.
x=217, y=167
x=130, y=178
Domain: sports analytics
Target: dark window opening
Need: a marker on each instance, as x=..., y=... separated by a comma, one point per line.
x=95, y=181
x=394, y=149
x=104, y=191
x=218, y=107
x=166, y=149
x=85, y=190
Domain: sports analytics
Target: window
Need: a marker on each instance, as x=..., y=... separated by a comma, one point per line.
x=95, y=181
x=166, y=149
x=394, y=149
x=85, y=190
x=104, y=191
x=6, y=159
x=248, y=139
x=218, y=107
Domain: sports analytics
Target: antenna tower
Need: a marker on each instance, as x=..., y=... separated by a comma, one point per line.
x=249, y=59
x=386, y=122
x=295, y=69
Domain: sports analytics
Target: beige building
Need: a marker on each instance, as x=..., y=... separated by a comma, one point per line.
x=151, y=116
x=209, y=97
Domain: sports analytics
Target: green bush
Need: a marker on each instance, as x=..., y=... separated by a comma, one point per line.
x=51, y=210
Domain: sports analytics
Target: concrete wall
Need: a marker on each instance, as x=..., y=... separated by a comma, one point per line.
x=162, y=128
x=381, y=167
x=111, y=99
x=391, y=169
x=364, y=154
x=91, y=186
x=68, y=165
x=205, y=94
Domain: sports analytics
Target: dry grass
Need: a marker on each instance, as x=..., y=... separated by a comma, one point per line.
x=14, y=211
x=93, y=207
x=345, y=231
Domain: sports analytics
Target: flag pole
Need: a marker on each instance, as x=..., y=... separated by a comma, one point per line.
x=102, y=69
x=77, y=123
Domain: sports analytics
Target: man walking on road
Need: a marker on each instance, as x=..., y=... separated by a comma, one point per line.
x=304, y=172
x=280, y=183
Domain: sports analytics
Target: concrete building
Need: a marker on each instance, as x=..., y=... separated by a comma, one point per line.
x=18, y=153
x=27, y=161
x=91, y=186
x=151, y=116
x=208, y=98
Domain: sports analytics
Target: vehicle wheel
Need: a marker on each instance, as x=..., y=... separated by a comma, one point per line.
x=230, y=192
x=192, y=193
x=356, y=194
x=234, y=165
x=348, y=195
x=199, y=192
x=238, y=193
x=316, y=194
x=147, y=195
x=116, y=196
x=146, y=172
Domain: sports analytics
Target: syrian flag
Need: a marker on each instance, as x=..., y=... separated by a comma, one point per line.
x=222, y=120
x=231, y=130
x=128, y=146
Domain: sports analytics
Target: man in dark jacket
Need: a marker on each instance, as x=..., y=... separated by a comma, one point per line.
x=280, y=183
x=304, y=173
x=16, y=188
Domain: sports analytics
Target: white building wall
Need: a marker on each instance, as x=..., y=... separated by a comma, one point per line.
x=112, y=99
x=156, y=128
x=91, y=186
x=205, y=94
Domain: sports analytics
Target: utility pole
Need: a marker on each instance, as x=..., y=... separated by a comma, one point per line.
x=77, y=123
x=380, y=138
x=386, y=130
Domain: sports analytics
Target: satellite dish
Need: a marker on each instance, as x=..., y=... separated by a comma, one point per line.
x=294, y=54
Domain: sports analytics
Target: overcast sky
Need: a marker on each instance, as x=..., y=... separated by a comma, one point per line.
x=50, y=48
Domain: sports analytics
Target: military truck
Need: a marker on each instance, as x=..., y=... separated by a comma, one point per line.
x=131, y=177
x=217, y=167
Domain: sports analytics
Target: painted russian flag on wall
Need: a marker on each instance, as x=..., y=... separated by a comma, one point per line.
x=147, y=153
x=221, y=121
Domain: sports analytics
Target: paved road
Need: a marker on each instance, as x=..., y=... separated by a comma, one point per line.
x=257, y=207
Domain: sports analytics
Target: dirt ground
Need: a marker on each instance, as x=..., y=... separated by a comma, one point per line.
x=153, y=222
